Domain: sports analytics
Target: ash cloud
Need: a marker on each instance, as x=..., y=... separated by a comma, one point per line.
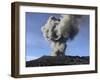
x=59, y=30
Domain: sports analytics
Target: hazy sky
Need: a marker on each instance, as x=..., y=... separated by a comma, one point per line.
x=37, y=46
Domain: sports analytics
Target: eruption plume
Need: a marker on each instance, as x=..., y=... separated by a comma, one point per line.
x=59, y=30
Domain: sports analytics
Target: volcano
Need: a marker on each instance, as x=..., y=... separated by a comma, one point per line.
x=58, y=61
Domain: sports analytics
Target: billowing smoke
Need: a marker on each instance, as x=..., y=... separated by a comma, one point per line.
x=59, y=30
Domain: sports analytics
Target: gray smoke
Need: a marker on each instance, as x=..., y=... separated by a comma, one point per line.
x=59, y=30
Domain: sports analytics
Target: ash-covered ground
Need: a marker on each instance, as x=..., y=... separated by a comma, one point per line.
x=57, y=61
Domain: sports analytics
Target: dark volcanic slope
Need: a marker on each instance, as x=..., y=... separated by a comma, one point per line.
x=58, y=60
